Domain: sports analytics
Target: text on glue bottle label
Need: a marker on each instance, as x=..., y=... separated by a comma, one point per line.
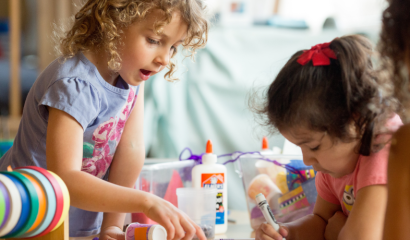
x=216, y=180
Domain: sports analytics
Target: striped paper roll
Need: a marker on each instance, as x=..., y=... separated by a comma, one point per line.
x=33, y=202
x=58, y=194
x=4, y=205
x=50, y=201
x=29, y=201
x=41, y=200
x=15, y=206
x=66, y=196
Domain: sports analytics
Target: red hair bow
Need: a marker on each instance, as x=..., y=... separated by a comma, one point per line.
x=319, y=54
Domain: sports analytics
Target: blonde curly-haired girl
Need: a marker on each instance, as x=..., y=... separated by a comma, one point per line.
x=82, y=118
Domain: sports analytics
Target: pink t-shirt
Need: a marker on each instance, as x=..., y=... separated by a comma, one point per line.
x=370, y=170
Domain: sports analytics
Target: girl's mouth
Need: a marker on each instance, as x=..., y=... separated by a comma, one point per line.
x=318, y=169
x=323, y=171
x=145, y=74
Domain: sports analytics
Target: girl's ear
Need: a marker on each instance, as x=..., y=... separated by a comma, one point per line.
x=353, y=129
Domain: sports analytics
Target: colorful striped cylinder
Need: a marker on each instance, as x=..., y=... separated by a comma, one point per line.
x=33, y=202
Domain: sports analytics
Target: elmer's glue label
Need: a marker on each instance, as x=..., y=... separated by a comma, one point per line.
x=210, y=174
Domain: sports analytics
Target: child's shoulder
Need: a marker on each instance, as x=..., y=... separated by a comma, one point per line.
x=76, y=67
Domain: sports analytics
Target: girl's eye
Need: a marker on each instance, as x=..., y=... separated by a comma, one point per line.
x=173, y=49
x=315, y=149
x=152, y=41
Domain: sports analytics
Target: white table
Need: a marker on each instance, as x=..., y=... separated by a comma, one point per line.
x=240, y=229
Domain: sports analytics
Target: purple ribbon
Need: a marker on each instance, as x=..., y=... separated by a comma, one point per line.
x=198, y=160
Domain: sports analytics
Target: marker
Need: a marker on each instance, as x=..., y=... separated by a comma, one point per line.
x=267, y=212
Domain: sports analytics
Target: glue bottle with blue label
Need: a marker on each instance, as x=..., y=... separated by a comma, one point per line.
x=210, y=174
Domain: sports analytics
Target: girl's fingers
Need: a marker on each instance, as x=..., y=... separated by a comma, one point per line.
x=270, y=231
x=195, y=228
x=169, y=227
x=179, y=231
x=198, y=231
x=283, y=231
x=260, y=235
x=188, y=229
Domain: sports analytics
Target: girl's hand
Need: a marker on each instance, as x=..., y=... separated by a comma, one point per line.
x=177, y=223
x=267, y=232
x=335, y=225
x=112, y=233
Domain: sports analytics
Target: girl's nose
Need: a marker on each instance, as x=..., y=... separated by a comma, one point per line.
x=163, y=57
x=308, y=159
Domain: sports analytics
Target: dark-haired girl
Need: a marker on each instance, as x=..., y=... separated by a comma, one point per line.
x=327, y=101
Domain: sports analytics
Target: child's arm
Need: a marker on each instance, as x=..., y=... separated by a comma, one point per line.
x=334, y=225
x=64, y=157
x=366, y=219
x=127, y=162
x=311, y=227
x=397, y=222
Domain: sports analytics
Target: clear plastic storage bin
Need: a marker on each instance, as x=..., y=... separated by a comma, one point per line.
x=199, y=205
x=289, y=195
x=162, y=178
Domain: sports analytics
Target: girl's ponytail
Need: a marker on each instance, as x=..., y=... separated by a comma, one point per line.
x=359, y=83
x=353, y=57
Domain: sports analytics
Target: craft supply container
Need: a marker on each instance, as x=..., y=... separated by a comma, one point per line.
x=199, y=204
x=162, y=178
x=275, y=182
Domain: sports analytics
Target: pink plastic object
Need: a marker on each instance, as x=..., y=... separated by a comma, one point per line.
x=171, y=193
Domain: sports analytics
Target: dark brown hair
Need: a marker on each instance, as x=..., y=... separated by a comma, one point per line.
x=395, y=47
x=329, y=98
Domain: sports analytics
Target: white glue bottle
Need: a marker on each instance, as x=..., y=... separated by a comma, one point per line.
x=209, y=174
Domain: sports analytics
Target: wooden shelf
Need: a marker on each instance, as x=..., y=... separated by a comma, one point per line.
x=60, y=233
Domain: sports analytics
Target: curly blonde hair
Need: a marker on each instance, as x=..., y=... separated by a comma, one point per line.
x=99, y=24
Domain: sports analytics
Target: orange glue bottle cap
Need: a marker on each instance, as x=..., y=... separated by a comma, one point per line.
x=209, y=157
x=265, y=144
x=209, y=147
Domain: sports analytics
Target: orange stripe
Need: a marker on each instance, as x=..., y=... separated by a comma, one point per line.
x=141, y=233
x=41, y=200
